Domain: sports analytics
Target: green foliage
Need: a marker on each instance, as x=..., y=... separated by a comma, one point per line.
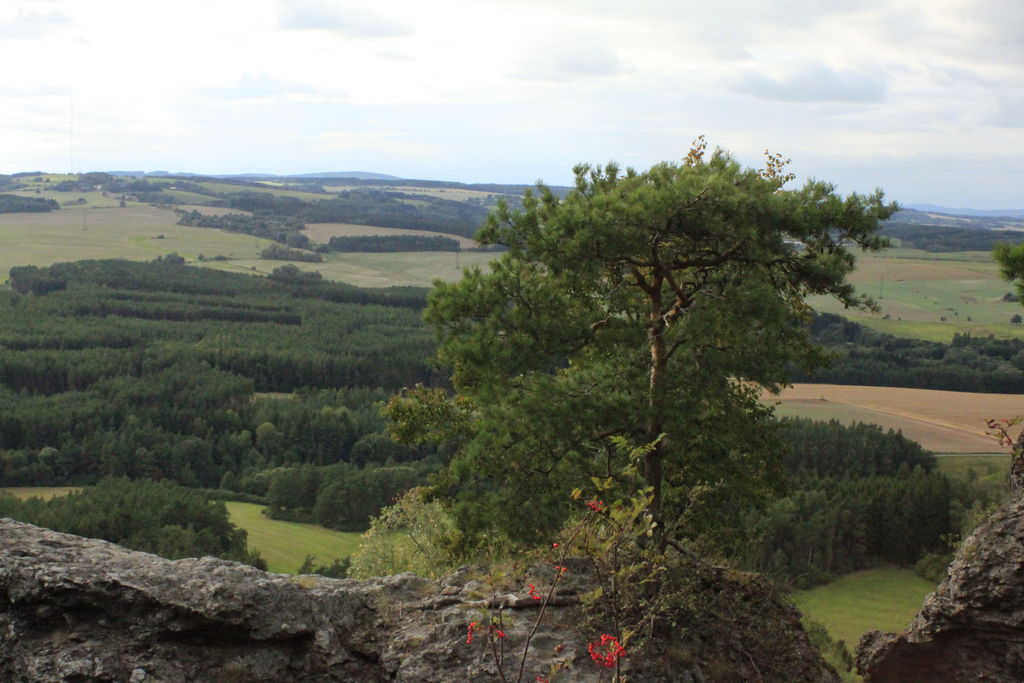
x=340, y=496
x=830, y=449
x=857, y=497
x=275, y=252
x=153, y=516
x=12, y=203
x=415, y=534
x=638, y=306
x=338, y=569
x=149, y=369
x=1011, y=263
x=280, y=229
x=932, y=567
x=835, y=651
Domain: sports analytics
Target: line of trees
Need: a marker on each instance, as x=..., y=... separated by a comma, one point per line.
x=12, y=203
x=152, y=516
x=863, y=356
x=275, y=252
x=856, y=496
x=942, y=238
x=387, y=243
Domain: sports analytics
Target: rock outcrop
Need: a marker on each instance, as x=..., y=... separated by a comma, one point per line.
x=972, y=627
x=76, y=609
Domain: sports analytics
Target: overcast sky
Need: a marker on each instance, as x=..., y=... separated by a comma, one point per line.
x=924, y=98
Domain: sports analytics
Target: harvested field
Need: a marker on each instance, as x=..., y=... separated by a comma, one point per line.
x=934, y=437
x=962, y=411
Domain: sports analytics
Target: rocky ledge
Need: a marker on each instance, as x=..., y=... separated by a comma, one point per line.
x=77, y=609
x=972, y=627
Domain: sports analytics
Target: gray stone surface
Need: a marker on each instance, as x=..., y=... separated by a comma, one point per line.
x=972, y=627
x=76, y=609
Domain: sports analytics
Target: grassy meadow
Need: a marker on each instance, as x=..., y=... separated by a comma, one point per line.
x=323, y=232
x=931, y=295
x=992, y=468
x=44, y=492
x=883, y=599
x=141, y=233
x=411, y=268
x=138, y=233
x=934, y=437
x=284, y=545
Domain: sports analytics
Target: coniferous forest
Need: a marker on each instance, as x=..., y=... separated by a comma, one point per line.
x=162, y=371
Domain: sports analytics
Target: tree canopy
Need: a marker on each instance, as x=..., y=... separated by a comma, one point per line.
x=622, y=340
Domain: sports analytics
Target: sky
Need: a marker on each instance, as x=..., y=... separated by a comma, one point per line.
x=923, y=98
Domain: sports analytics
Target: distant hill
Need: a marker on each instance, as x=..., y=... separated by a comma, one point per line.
x=916, y=216
x=357, y=175
x=981, y=213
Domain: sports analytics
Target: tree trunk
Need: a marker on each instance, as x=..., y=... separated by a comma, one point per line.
x=653, y=465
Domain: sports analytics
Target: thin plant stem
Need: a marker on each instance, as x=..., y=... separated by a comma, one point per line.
x=547, y=599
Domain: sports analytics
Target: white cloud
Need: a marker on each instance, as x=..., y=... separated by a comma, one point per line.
x=862, y=92
x=340, y=17
x=31, y=25
x=382, y=141
x=568, y=58
x=807, y=80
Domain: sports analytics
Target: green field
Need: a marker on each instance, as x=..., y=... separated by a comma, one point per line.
x=932, y=295
x=882, y=599
x=138, y=233
x=284, y=545
x=44, y=492
x=142, y=233
x=970, y=467
x=413, y=268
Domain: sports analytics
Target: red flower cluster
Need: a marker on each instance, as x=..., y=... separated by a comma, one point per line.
x=596, y=505
x=533, y=591
x=606, y=651
x=471, y=629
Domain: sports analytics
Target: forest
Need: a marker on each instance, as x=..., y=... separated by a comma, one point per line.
x=860, y=355
x=940, y=238
x=161, y=371
x=12, y=203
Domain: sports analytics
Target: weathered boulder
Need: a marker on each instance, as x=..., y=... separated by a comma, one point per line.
x=972, y=627
x=76, y=609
